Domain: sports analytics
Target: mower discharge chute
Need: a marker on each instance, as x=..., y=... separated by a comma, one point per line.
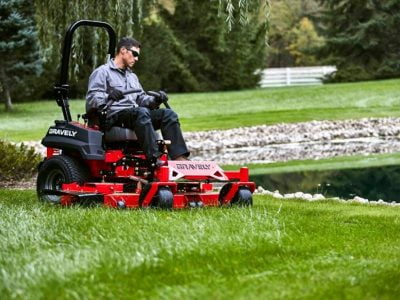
x=86, y=164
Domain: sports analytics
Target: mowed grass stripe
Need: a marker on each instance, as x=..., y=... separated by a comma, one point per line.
x=286, y=116
x=275, y=249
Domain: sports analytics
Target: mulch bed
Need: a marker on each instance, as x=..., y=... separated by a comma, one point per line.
x=19, y=185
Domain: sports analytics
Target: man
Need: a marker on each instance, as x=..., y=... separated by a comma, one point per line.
x=137, y=111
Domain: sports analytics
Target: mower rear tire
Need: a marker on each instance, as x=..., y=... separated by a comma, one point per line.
x=54, y=172
x=164, y=198
x=243, y=197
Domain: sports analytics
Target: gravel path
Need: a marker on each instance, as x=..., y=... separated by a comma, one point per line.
x=307, y=140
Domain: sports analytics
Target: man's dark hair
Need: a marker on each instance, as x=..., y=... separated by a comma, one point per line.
x=127, y=43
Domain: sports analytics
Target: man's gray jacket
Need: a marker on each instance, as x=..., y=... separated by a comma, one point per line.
x=108, y=77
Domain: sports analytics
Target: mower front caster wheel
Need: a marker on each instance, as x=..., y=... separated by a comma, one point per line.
x=243, y=197
x=164, y=198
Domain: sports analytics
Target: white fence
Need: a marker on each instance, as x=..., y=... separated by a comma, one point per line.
x=294, y=76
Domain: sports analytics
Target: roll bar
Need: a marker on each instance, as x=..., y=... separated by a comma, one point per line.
x=62, y=88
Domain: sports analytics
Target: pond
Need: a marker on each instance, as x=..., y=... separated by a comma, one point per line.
x=370, y=183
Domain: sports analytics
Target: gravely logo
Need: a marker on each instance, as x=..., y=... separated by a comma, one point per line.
x=64, y=132
x=199, y=169
x=193, y=166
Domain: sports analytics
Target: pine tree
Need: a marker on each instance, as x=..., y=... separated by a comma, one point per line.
x=18, y=51
x=362, y=38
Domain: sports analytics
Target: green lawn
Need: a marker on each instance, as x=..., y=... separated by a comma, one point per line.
x=221, y=110
x=275, y=250
x=328, y=164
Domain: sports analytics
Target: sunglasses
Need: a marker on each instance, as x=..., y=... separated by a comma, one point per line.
x=134, y=53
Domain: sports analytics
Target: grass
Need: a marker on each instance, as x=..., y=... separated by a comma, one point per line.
x=277, y=249
x=222, y=110
x=328, y=164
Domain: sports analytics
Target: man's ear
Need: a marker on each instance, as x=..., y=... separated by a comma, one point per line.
x=122, y=50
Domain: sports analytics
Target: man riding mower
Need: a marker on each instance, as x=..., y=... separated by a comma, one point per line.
x=137, y=111
x=114, y=157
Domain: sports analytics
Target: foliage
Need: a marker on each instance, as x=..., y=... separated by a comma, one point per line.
x=362, y=38
x=18, y=49
x=277, y=249
x=90, y=45
x=223, y=110
x=287, y=24
x=166, y=51
x=17, y=162
x=163, y=62
x=199, y=53
x=305, y=43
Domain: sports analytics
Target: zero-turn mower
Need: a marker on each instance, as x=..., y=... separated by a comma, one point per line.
x=87, y=164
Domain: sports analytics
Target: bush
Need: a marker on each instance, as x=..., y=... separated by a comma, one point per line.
x=17, y=162
x=353, y=72
x=350, y=73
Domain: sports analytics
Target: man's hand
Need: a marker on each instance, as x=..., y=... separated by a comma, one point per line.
x=115, y=95
x=159, y=97
x=163, y=96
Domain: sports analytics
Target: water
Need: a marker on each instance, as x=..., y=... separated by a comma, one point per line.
x=370, y=183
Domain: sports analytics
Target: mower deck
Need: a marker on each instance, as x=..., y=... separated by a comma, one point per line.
x=184, y=193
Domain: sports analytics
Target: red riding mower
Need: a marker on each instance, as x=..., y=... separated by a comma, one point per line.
x=88, y=165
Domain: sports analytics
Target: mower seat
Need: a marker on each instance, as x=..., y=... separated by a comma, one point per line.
x=119, y=134
x=115, y=134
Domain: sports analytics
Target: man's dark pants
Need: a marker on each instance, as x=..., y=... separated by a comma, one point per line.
x=145, y=121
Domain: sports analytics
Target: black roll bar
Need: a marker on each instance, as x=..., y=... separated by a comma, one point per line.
x=62, y=88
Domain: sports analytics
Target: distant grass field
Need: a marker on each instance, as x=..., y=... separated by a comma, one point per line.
x=222, y=110
x=275, y=250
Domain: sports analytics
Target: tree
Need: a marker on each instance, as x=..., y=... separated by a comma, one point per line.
x=362, y=38
x=167, y=57
x=305, y=42
x=285, y=31
x=18, y=50
x=202, y=53
x=89, y=44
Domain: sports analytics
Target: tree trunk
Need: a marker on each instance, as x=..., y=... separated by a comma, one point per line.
x=7, y=100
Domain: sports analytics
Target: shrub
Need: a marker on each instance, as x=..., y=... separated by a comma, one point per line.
x=17, y=162
x=350, y=73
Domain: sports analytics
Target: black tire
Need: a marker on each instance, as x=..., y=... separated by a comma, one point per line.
x=243, y=197
x=164, y=198
x=223, y=192
x=58, y=170
x=145, y=189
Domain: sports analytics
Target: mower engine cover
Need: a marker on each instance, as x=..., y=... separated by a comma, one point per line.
x=75, y=137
